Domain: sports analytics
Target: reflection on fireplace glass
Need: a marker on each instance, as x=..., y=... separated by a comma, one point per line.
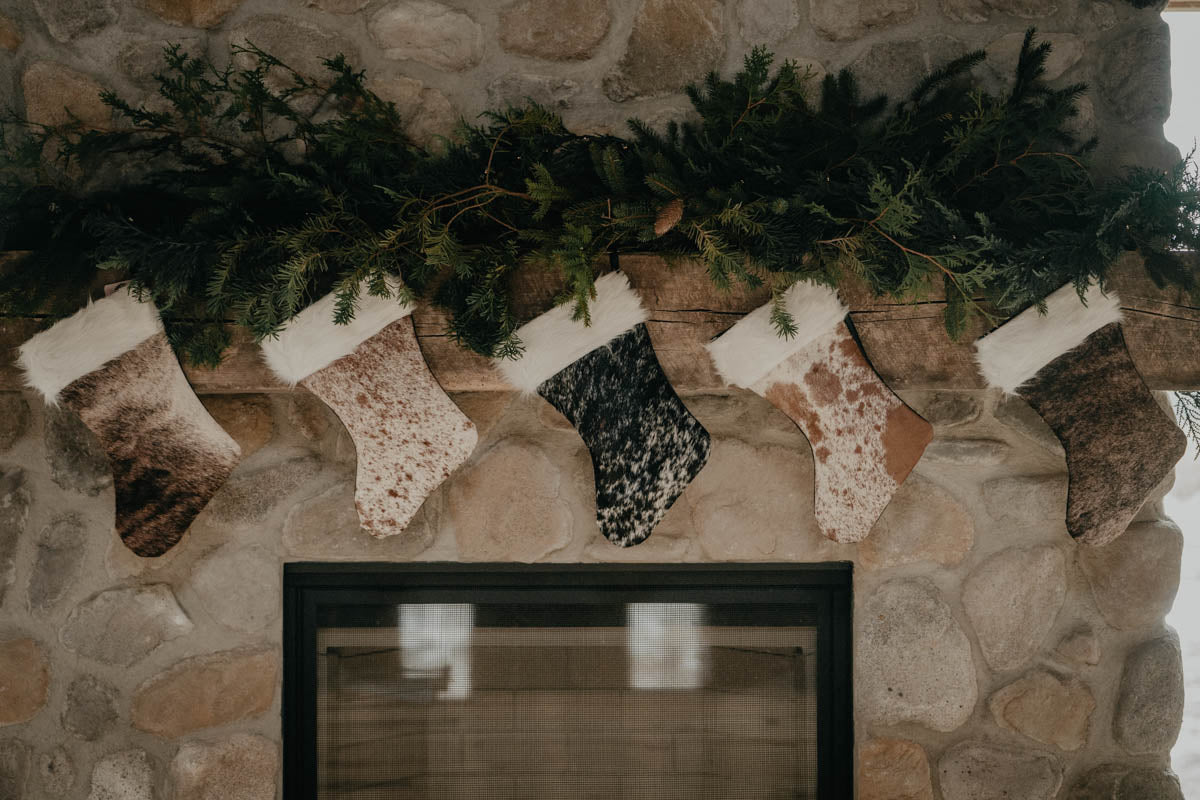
x=450, y=701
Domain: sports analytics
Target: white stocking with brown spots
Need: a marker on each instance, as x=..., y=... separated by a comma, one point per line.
x=408, y=433
x=865, y=440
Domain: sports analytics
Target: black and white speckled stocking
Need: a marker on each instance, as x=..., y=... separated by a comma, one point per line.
x=605, y=378
x=646, y=446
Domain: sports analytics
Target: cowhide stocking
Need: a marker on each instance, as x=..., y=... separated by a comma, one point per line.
x=645, y=445
x=865, y=440
x=408, y=434
x=1072, y=367
x=111, y=364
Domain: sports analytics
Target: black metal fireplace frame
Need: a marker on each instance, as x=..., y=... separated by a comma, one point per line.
x=826, y=586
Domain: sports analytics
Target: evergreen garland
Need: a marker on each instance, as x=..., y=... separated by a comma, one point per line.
x=259, y=190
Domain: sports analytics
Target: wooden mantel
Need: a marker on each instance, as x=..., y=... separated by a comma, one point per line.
x=907, y=344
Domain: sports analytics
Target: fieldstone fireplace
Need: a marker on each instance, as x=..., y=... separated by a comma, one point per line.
x=992, y=655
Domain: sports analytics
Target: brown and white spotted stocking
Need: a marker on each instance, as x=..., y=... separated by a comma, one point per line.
x=865, y=440
x=1071, y=365
x=111, y=364
x=409, y=435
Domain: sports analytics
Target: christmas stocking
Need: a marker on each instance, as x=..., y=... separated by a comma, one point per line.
x=865, y=440
x=111, y=364
x=1071, y=366
x=408, y=434
x=645, y=445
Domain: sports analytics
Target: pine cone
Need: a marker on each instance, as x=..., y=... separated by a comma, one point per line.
x=668, y=216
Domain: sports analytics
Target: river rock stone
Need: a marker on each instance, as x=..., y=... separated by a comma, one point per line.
x=425, y=112
x=1045, y=707
x=556, y=30
x=981, y=10
x=10, y=39
x=206, y=691
x=489, y=527
x=922, y=523
x=24, y=680
x=14, y=411
x=14, y=513
x=1135, y=76
x=126, y=775
x=893, y=769
x=57, y=772
x=1134, y=578
x=299, y=44
x=673, y=43
x=1013, y=412
x=516, y=88
x=1012, y=600
x=890, y=66
x=326, y=527
x=485, y=409
x=140, y=60
x=901, y=623
x=241, y=768
x=123, y=626
x=944, y=409
x=77, y=460
x=975, y=770
x=1003, y=53
x=246, y=497
x=245, y=417
x=1027, y=499
x=91, y=708
x=1149, y=709
x=429, y=32
x=14, y=768
x=305, y=411
x=730, y=518
x=1125, y=782
x=767, y=21
x=966, y=452
x=841, y=20
x=1079, y=647
x=192, y=13
x=60, y=550
x=70, y=19
x=239, y=587
x=53, y=92
x=1104, y=15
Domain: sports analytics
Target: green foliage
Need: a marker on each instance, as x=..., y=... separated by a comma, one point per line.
x=260, y=189
x=1187, y=415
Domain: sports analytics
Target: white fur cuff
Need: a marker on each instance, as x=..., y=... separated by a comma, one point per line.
x=86, y=341
x=1018, y=349
x=311, y=340
x=554, y=341
x=745, y=353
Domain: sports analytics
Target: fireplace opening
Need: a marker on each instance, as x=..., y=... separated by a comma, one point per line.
x=449, y=682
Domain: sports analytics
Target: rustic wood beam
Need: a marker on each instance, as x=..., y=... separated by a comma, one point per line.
x=906, y=343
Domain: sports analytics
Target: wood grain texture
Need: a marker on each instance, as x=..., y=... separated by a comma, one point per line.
x=907, y=344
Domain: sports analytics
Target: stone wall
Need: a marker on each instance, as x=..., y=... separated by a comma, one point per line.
x=990, y=650
x=993, y=657
x=597, y=61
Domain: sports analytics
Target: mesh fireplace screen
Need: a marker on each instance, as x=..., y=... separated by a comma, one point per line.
x=577, y=684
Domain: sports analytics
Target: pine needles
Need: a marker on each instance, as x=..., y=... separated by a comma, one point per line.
x=259, y=189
